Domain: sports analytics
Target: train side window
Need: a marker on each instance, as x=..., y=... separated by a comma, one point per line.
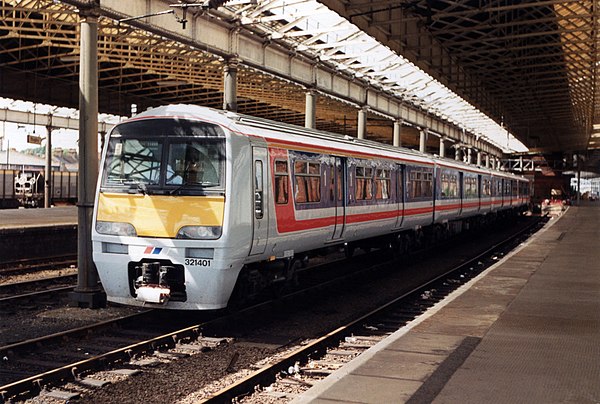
x=400, y=182
x=470, y=184
x=421, y=183
x=497, y=187
x=486, y=187
x=449, y=185
x=308, y=181
x=331, y=184
x=340, y=181
x=258, y=189
x=281, y=182
x=364, y=183
x=507, y=187
x=382, y=184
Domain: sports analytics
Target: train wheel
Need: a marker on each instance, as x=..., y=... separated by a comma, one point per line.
x=290, y=274
x=242, y=292
x=397, y=247
x=249, y=285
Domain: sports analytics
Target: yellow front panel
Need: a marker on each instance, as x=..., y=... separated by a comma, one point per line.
x=160, y=215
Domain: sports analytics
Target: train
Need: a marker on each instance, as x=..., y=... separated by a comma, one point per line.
x=197, y=207
x=25, y=188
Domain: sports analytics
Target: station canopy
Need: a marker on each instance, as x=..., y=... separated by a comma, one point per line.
x=309, y=26
x=503, y=70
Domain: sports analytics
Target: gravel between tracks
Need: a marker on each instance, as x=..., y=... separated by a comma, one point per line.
x=188, y=380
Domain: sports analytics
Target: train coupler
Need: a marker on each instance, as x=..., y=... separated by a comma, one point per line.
x=152, y=285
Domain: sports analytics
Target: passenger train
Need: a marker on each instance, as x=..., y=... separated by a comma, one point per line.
x=195, y=204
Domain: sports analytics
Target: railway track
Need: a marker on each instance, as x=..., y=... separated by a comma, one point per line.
x=29, y=288
x=121, y=347
x=315, y=360
x=21, y=266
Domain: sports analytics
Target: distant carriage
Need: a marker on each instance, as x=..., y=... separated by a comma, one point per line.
x=25, y=188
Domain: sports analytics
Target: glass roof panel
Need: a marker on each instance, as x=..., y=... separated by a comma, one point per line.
x=310, y=27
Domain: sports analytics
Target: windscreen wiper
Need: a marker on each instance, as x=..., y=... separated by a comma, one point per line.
x=187, y=185
x=138, y=187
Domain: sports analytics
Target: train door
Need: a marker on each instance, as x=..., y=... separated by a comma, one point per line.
x=461, y=192
x=339, y=196
x=260, y=204
x=400, y=183
x=479, y=191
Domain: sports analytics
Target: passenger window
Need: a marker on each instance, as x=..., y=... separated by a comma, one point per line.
x=449, y=185
x=470, y=187
x=382, y=184
x=421, y=182
x=281, y=182
x=364, y=183
x=308, y=181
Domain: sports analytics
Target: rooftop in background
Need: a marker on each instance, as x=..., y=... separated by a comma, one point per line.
x=63, y=160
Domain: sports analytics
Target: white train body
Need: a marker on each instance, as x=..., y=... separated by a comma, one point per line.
x=173, y=232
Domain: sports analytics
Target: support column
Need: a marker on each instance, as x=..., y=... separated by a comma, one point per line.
x=487, y=160
x=48, y=168
x=442, y=147
x=397, y=136
x=87, y=293
x=423, y=140
x=230, y=83
x=457, y=153
x=578, y=161
x=362, y=123
x=310, y=115
x=479, y=158
x=469, y=155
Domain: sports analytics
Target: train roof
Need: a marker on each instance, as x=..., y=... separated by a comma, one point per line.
x=274, y=132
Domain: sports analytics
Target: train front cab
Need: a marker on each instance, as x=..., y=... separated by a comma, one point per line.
x=161, y=234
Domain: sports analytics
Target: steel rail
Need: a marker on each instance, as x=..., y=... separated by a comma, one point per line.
x=73, y=371
x=36, y=264
x=267, y=374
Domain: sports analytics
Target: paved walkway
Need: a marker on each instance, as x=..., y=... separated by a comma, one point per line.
x=525, y=331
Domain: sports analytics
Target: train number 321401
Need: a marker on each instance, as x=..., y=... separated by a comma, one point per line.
x=197, y=262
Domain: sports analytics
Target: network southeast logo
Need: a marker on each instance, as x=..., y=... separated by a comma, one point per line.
x=152, y=250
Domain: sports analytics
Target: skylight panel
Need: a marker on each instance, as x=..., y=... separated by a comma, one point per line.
x=313, y=28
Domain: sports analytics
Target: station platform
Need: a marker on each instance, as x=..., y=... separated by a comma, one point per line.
x=39, y=217
x=37, y=233
x=527, y=330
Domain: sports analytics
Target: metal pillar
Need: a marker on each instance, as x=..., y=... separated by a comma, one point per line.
x=230, y=83
x=578, y=180
x=397, y=136
x=87, y=293
x=310, y=115
x=362, y=123
x=48, y=168
x=423, y=141
x=457, y=153
x=442, y=147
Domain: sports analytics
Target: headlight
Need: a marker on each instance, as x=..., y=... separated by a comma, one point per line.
x=200, y=232
x=115, y=228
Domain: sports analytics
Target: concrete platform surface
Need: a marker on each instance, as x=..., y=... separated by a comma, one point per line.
x=39, y=217
x=527, y=330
